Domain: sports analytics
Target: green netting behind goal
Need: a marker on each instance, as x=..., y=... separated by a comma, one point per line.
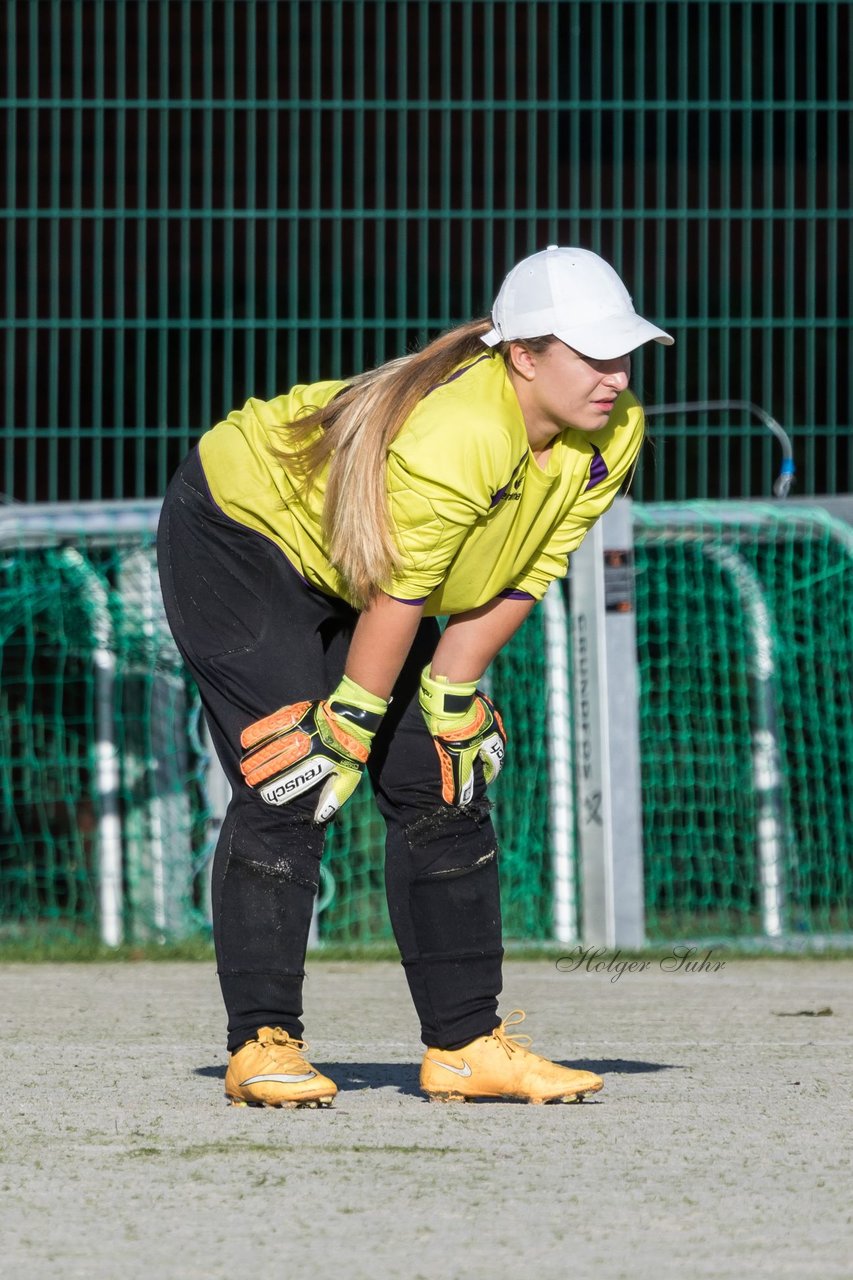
x=744, y=630
x=745, y=636
x=99, y=755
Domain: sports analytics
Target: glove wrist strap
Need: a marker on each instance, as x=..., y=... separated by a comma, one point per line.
x=440, y=698
x=350, y=694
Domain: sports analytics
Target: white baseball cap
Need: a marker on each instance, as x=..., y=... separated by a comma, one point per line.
x=576, y=296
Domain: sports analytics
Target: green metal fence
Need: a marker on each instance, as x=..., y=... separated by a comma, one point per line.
x=206, y=199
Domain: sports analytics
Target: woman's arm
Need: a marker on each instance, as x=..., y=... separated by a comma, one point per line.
x=381, y=642
x=384, y=634
x=471, y=640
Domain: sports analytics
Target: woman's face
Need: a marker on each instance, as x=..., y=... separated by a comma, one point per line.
x=560, y=388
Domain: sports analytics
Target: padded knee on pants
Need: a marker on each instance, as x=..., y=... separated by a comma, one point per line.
x=289, y=853
x=450, y=842
x=454, y=893
x=267, y=897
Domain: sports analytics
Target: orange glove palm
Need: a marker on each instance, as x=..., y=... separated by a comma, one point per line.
x=307, y=744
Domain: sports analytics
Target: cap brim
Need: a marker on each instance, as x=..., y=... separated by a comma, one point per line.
x=617, y=336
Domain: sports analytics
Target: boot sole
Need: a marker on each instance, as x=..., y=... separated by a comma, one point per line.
x=294, y=1105
x=453, y=1095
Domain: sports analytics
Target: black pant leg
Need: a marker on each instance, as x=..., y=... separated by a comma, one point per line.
x=255, y=638
x=441, y=873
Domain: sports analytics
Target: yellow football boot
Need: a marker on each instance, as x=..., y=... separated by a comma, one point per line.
x=500, y=1066
x=271, y=1072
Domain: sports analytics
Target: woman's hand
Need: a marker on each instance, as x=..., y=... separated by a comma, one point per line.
x=464, y=725
x=309, y=744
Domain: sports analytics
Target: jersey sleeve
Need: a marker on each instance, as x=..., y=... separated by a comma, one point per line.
x=619, y=455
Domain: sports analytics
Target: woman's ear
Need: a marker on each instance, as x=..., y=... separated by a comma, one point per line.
x=522, y=361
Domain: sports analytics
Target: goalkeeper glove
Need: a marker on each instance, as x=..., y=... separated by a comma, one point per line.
x=308, y=743
x=464, y=724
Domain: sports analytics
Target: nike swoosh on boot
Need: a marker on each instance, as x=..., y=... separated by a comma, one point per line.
x=464, y=1070
x=282, y=1079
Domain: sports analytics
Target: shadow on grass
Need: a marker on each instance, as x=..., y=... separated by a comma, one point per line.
x=619, y=1066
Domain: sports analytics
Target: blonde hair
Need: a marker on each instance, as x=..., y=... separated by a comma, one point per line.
x=356, y=428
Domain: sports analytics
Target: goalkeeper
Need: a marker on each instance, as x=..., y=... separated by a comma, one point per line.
x=306, y=549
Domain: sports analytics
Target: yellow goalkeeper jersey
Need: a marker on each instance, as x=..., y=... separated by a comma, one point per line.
x=475, y=516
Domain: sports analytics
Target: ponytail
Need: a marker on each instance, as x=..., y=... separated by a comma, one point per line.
x=356, y=429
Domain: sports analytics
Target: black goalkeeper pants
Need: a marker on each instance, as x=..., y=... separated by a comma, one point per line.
x=256, y=637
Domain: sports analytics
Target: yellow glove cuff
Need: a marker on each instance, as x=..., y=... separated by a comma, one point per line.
x=443, y=703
